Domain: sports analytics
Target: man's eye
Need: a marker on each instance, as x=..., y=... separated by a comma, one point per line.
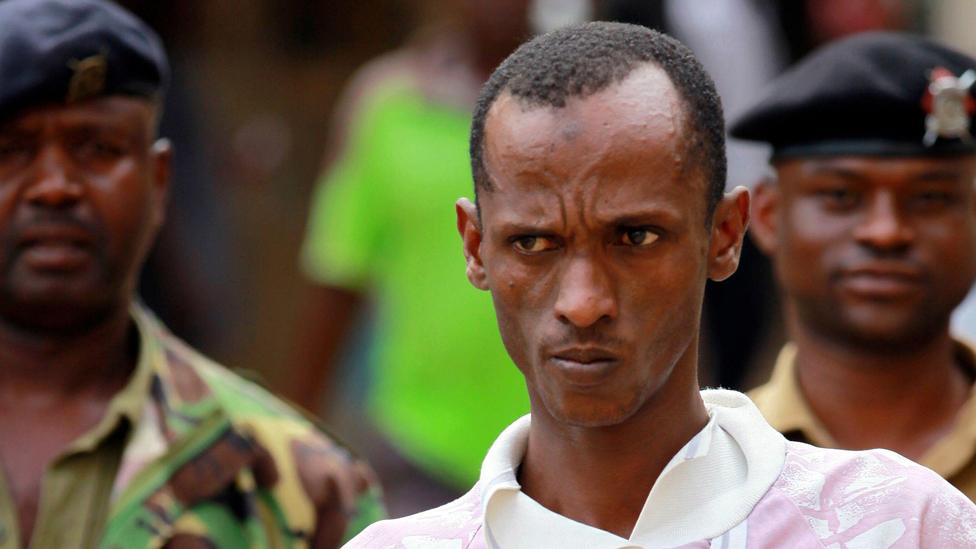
x=533, y=244
x=94, y=148
x=638, y=237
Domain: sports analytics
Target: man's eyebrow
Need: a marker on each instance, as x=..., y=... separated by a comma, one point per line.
x=936, y=175
x=644, y=216
x=96, y=127
x=521, y=227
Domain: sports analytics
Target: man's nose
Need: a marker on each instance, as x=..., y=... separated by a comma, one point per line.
x=884, y=226
x=53, y=184
x=586, y=294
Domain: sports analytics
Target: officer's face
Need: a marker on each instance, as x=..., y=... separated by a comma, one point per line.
x=876, y=251
x=595, y=247
x=82, y=192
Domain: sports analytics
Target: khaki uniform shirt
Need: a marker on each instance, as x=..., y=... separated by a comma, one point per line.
x=786, y=409
x=76, y=487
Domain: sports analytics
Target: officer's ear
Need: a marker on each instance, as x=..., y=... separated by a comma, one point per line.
x=729, y=222
x=161, y=158
x=765, y=212
x=470, y=230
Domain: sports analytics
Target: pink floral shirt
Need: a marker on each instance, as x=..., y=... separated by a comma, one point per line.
x=736, y=484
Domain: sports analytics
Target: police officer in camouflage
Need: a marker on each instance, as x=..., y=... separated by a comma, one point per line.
x=113, y=433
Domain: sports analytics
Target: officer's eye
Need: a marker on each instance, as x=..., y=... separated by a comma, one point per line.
x=95, y=148
x=838, y=197
x=532, y=244
x=935, y=198
x=13, y=147
x=638, y=237
x=105, y=149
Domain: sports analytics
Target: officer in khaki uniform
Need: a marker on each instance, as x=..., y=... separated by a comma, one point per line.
x=114, y=433
x=869, y=216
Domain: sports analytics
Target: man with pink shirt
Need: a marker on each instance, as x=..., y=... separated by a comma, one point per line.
x=598, y=156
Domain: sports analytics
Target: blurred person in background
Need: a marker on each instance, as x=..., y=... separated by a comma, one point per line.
x=113, y=432
x=381, y=230
x=870, y=221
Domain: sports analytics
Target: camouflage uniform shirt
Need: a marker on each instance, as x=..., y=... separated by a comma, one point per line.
x=204, y=459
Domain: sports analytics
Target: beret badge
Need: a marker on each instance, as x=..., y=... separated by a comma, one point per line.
x=948, y=105
x=87, y=78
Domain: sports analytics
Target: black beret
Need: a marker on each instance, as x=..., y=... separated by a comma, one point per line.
x=64, y=51
x=878, y=93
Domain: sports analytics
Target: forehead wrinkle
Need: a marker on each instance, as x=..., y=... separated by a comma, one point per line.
x=535, y=209
x=563, y=212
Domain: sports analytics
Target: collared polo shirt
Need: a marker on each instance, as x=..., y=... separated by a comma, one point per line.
x=77, y=486
x=707, y=489
x=782, y=403
x=737, y=484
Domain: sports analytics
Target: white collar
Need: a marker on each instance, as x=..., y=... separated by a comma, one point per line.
x=710, y=486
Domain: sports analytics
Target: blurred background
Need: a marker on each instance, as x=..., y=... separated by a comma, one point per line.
x=319, y=148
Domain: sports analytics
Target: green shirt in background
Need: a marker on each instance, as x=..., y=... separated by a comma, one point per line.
x=383, y=222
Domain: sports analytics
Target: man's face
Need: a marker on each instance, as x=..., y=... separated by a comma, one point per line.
x=594, y=243
x=874, y=251
x=82, y=191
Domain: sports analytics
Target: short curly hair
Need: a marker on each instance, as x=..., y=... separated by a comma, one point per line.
x=584, y=59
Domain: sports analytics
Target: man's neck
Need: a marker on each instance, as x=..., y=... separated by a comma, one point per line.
x=602, y=476
x=903, y=401
x=47, y=367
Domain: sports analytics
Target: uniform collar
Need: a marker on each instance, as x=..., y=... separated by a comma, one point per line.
x=958, y=448
x=784, y=406
x=708, y=487
x=787, y=410
x=179, y=388
x=126, y=408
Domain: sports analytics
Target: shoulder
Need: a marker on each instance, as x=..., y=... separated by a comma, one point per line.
x=377, y=82
x=294, y=455
x=876, y=497
x=454, y=525
x=761, y=395
x=398, y=68
x=761, y=392
x=259, y=413
x=239, y=397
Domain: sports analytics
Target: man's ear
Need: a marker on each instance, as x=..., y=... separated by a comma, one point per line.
x=731, y=218
x=470, y=230
x=765, y=215
x=161, y=158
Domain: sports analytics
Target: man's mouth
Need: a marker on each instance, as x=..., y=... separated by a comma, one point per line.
x=584, y=366
x=882, y=281
x=55, y=247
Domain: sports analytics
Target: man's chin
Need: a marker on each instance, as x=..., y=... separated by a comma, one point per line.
x=590, y=413
x=58, y=314
x=889, y=335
